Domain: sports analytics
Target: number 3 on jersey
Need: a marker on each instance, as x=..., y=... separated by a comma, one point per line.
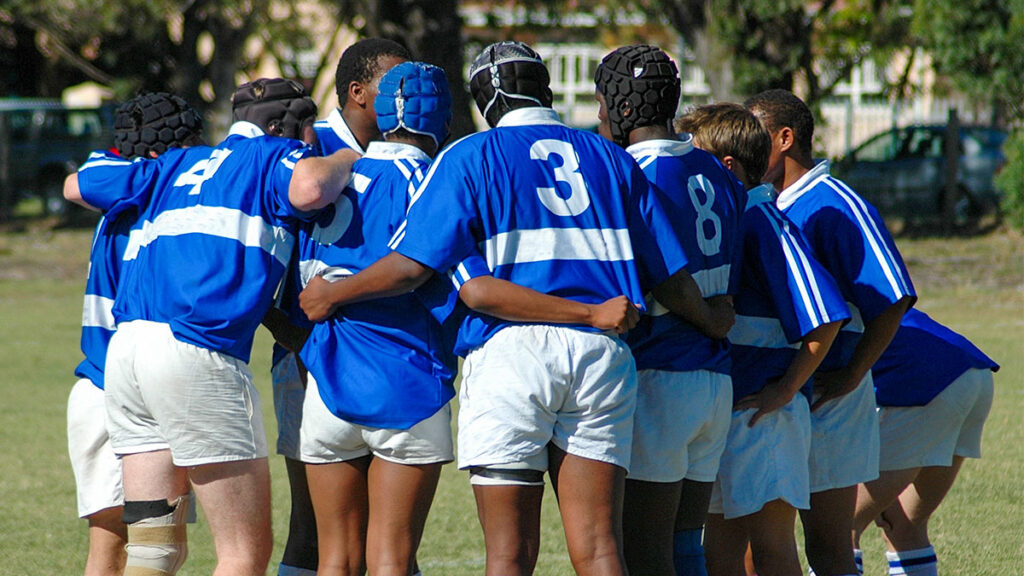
x=568, y=172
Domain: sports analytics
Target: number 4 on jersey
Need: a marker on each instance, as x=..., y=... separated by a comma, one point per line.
x=202, y=171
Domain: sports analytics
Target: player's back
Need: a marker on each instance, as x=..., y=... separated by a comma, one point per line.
x=703, y=197
x=552, y=208
x=214, y=232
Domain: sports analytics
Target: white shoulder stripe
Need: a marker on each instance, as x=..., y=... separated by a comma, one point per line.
x=878, y=247
x=799, y=264
x=97, y=312
x=218, y=221
x=522, y=246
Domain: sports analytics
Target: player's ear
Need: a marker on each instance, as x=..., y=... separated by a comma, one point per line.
x=357, y=92
x=728, y=162
x=785, y=138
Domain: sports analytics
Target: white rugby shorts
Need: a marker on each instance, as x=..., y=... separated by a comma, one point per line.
x=325, y=438
x=162, y=393
x=97, y=469
x=289, y=394
x=766, y=462
x=531, y=385
x=844, y=440
x=681, y=425
x=930, y=435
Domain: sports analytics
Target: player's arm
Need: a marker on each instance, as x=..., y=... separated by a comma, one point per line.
x=510, y=301
x=392, y=275
x=317, y=181
x=72, y=193
x=681, y=295
x=815, y=345
x=878, y=333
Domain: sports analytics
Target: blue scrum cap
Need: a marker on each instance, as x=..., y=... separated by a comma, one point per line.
x=415, y=96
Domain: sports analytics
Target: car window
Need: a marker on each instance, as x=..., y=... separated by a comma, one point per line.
x=922, y=143
x=881, y=148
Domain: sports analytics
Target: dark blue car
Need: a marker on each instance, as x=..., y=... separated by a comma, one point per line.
x=903, y=173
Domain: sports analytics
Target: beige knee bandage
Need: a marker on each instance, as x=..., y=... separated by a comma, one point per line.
x=158, y=546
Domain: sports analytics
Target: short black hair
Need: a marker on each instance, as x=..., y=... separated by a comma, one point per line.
x=360, y=62
x=778, y=109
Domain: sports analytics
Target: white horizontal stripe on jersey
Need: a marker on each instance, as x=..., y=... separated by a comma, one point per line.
x=759, y=332
x=98, y=160
x=524, y=246
x=311, y=268
x=714, y=281
x=97, y=312
x=218, y=221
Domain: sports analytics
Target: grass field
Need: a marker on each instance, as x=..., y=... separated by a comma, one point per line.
x=975, y=285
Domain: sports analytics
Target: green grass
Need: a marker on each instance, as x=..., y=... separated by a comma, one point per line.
x=975, y=285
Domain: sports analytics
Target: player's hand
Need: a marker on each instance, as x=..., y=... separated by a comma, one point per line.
x=769, y=399
x=315, y=300
x=831, y=385
x=617, y=314
x=723, y=316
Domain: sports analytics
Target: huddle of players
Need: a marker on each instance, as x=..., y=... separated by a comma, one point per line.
x=524, y=249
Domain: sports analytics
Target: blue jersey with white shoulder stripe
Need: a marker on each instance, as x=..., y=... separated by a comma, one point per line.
x=332, y=134
x=383, y=362
x=922, y=360
x=558, y=210
x=850, y=240
x=705, y=221
x=214, y=234
x=783, y=294
x=105, y=262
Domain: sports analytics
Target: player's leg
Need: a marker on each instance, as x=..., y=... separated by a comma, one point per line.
x=236, y=499
x=691, y=515
x=400, y=496
x=97, y=479
x=156, y=498
x=107, y=538
x=827, y=529
x=772, y=541
x=590, y=497
x=725, y=543
x=905, y=522
x=875, y=496
x=340, y=503
x=300, y=555
x=510, y=518
x=300, y=549
x=648, y=520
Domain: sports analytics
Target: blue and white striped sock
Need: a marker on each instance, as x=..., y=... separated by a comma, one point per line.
x=920, y=562
x=858, y=559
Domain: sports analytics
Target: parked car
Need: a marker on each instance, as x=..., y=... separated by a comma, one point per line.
x=45, y=141
x=903, y=173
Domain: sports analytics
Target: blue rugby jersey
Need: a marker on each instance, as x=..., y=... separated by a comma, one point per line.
x=783, y=294
x=706, y=221
x=383, y=362
x=108, y=245
x=850, y=240
x=214, y=234
x=332, y=134
x=558, y=210
x=923, y=359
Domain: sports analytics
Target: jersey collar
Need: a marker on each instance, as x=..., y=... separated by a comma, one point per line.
x=794, y=191
x=675, y=147
x=340, y=127
x=529, y=117
x=246, y=129
x=759, y=195
x=395, y=151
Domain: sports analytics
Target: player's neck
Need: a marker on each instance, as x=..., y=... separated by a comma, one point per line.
x=796, y=167
x=364, y=130
x=645, y=133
